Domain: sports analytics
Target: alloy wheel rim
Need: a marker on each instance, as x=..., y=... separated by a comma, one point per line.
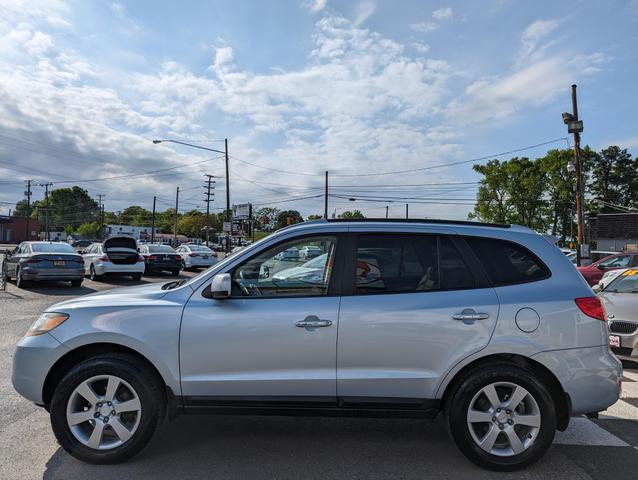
x=504, y=419
x=92, y=272
x=18, y=277
x=103, y=412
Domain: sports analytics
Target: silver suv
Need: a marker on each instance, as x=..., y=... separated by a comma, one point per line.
x=489, y=325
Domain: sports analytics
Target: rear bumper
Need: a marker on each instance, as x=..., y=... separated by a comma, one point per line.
x=119, y=268
x=71, y=274
x=164, y=266
x=591, y=376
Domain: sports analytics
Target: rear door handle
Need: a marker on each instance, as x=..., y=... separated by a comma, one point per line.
x=313, y=321
x=470, y=315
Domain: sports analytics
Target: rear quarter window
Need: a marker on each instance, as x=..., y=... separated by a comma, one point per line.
x=507, y=263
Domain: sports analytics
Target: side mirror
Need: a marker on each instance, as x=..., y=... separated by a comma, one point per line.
x=600, y=267
x=597, y=288
x=220, y=286
x=264, y=271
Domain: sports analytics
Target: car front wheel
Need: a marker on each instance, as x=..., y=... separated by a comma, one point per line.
x=502, y=417
x=107, y=408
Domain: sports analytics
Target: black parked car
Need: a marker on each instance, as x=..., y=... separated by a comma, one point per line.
x=160, y=258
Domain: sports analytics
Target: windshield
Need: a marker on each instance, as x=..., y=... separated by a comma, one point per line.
x=626, y=282
x=160, y=249
x=52, y=248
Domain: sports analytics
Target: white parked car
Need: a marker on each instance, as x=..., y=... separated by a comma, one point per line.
x=196, y=256
x=289, y=254
x=309, y=251
x=608, y=277
x=115, y=256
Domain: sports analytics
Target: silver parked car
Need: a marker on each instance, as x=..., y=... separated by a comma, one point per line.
x=40, y=261
x=620, y=297
x=490, y=326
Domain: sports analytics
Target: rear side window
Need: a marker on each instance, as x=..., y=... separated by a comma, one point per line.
x=507, y=263
x=409, y=263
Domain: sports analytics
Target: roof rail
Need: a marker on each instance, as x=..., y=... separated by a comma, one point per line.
x=422, y=220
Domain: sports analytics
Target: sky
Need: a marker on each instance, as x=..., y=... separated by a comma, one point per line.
x=393, y=98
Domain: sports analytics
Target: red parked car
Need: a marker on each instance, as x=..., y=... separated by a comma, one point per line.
x=594, y=272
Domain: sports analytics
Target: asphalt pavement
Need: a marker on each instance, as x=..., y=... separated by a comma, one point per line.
x=223, y=447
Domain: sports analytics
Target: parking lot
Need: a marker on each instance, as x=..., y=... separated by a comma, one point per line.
x=284, y=447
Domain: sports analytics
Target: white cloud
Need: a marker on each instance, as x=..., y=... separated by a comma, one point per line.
x=438, y=16
x=442, y=13
x=118, y=9
x=421, y=47
x=531, y=38
x=317, y=5
x=364, y=10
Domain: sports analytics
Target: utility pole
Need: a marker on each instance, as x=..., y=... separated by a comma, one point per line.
x=176, y=210
x=325, y=201
x=28, y=195
x=210, y=185
x=575, y=126
x=229, y=217
x=406, y=211
x=47, y=234
x=101, y=207
x=153, y=221
x=386, y=210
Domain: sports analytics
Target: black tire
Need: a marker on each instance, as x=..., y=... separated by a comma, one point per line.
x=175, y=273
x=131, y=369
x=19, y=282
x=183, y=265
x=92, y=275
x=136, y=277
x=76, y=283
x=458, y=403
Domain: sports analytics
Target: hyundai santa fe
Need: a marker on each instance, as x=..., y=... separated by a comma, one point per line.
x=489, y=326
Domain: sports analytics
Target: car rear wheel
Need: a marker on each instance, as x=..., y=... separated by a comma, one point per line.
x=183, y=265
x=501, y=417
x=20, y=283
x=92, y=275
x=76, y=283
x=136, y=276
x=175, y=273
x=107, y=408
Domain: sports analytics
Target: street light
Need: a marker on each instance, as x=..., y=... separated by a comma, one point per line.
x=225, y=153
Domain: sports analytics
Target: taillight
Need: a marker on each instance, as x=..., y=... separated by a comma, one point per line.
x=152, y=257
x=592, y=307
x=140, y=259
x=32, y=260
x=104, y=258
x=193, y=254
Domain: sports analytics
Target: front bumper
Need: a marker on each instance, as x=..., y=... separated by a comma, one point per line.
x=591, y=376
x=628, y=343
x=32, y=360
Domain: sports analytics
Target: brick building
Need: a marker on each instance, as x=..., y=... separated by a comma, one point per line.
x=614, y=231
x=14, y=229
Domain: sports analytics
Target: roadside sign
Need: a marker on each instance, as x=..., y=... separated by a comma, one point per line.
x=227, y=226
x=241, y=211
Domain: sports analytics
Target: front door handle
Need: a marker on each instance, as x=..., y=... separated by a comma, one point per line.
x=470, y=315
x=313, y=321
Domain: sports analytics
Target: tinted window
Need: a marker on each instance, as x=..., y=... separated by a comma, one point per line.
x=276, y=273
x=159, y=249
x=396, y=264
x=626, y=282
x=507, y=263
x=200, y=248
x=455, y=274
x=52, y=248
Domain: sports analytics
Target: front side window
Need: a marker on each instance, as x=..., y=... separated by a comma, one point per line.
x=507, y=263
x=621, y=261
x=281, y=271
x=396, y=264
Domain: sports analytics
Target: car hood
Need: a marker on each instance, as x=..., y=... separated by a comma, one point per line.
x=623, y=306
x=118, y=296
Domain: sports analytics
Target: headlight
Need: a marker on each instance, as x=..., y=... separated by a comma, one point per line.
x=47, y=322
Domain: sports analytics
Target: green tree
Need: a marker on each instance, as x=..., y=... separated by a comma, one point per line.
x=135, y=215
x=355, y=214
x=559, y=183
x=613, y=178
x=266, y=218
x=89, y=230
x=67, y=206
x=20, y=209
x=191, y=224
x=492, y=204
x=314, y=216
x=288, y=217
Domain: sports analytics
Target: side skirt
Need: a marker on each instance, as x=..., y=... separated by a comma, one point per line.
x=364, y=407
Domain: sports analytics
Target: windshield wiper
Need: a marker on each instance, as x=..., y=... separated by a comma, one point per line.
x=172, y=285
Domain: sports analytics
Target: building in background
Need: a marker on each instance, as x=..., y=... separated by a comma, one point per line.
x=14, y=229
x=138, y=233
x=617, y=232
